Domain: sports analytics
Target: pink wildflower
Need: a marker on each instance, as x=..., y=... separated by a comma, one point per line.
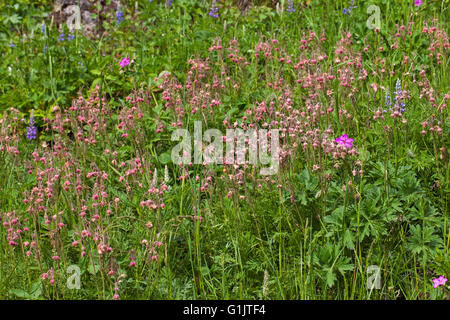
x=124, y=62
x=439, y=281
x=345, y=141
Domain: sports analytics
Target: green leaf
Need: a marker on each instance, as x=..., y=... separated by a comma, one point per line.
x=349, y=239
x=165, y=158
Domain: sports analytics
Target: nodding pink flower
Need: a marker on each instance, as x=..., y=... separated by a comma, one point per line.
x=418, y=3
x=116, y=297
x=345, y=141
x=132, y=264
x=124, y=62
x=439, y=281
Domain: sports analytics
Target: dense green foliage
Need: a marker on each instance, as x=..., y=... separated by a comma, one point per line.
x=97, y=188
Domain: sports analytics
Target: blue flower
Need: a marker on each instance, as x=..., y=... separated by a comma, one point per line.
x=70, y=37
x=31, y=129
x=61, y=37
x=349, y=9
x=119, y=17
x=290, y=6
x=397, y=95
x=43, y=27
x=214, y=12
x=387, y=98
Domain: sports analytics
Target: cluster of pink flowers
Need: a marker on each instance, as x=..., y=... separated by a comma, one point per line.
x=124, y=62
x=439, y=281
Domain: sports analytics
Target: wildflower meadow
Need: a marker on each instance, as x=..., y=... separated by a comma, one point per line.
x=215, y=150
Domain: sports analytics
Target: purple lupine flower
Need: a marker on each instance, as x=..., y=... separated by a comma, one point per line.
x=387, y=98
x=169, y=2
x=43, y=27
x=290, y=6
x=119, y=16
x=214, y=12
x=439, y=281
x=349, y=9
x=61, y=37
x=397, y=94
x=345, y=141
x=31, y=129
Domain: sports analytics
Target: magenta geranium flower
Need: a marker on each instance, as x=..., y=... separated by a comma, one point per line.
x=124, y=62
x=418, y=3
x=439, y=281
x=345, y=141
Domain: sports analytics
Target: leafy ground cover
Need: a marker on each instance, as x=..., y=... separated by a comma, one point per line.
x=358, y=208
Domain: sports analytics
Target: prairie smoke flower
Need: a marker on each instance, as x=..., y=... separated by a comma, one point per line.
x=439, y=281
x=345, y=141
x=418, y=3
x=124, y=62
x=31, y=130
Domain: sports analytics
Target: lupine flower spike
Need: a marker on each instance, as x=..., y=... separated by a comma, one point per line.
x=214, y=12
x=290, y=6
x=31, y=129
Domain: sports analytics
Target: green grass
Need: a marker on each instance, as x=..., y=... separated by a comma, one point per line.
x=313, y=230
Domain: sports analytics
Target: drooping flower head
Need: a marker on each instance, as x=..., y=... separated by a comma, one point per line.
x=345, y=141
x=124, y=62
